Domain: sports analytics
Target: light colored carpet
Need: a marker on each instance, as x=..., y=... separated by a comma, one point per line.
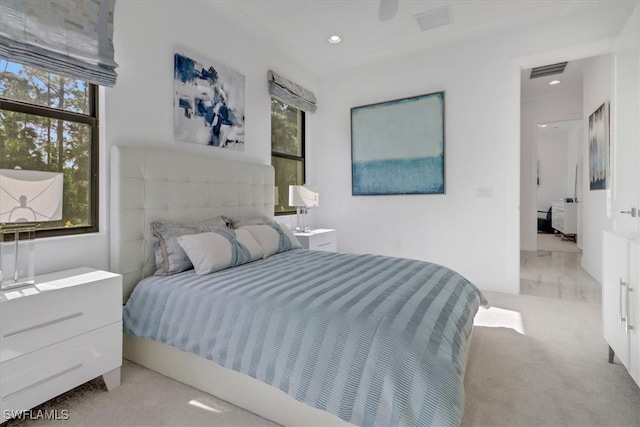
x=535, y=361
x=145, y=398
x=555, y=243
x=544, y=363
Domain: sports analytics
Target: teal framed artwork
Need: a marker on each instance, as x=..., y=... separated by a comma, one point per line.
x=397, y=147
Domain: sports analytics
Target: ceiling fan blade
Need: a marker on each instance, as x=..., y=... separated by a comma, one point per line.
x=388, y=9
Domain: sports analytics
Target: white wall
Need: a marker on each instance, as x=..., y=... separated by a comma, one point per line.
x=597, y=90
x=139, y=109
x=140, y=106
x=456, y=229
x=476, y=236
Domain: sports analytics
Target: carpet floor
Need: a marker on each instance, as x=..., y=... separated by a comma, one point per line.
x=535, y=361
x=540, y=361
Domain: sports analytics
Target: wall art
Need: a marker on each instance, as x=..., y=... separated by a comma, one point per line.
x=208, y=102
x=397, y=147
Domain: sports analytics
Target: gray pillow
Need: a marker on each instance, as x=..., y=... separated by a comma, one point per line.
x=170, y=257
x=262, y=220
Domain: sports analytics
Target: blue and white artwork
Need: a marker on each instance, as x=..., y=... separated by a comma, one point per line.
x=397, y=147
x=599, y=148
x=208, y=102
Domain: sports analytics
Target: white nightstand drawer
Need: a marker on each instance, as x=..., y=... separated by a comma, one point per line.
x=33, y=317
x=327, y=245
x=30, y=380
x=319, y=240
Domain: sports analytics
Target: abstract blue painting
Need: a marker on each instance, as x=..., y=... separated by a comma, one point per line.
x=208, y=102
x=397, y=147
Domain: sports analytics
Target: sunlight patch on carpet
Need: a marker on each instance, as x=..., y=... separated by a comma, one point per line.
x=494, y=317
x=201, y=405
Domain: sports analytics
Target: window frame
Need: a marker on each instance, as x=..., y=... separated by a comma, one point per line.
x=301, y=158
x=90, y=119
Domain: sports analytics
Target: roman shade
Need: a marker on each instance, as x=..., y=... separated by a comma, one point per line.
x=291, y=93
x=68, y=37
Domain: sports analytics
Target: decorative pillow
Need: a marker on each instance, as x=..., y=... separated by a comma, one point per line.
x=273, y=238
x=170, y=257
x=220, y=249
x=263, y=220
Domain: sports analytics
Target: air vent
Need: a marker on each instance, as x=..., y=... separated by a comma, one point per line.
x=434, y=18
x=547, y=70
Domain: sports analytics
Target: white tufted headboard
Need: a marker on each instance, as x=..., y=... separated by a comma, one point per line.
x=148, y=184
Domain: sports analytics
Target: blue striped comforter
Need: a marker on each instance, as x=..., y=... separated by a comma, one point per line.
x=377, y=341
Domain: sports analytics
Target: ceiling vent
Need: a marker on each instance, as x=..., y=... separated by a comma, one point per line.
x=434, y=18
x=547, y=70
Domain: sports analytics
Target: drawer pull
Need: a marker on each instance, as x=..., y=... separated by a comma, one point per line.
x=44, y=325
x=629, y=327
x=45, y=380
x=324, y=244
x=623, y=319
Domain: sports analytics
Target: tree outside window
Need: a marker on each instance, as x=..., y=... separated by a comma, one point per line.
x=287, y=152
x=49, y=122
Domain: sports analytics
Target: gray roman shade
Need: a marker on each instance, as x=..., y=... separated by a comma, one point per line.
x=69, y=37
x=291, y=93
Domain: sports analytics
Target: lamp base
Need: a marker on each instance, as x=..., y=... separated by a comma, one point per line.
x=301, y=219
x=17, y=255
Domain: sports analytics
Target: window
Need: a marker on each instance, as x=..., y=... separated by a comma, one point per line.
x=287, y=152
x=49, y=122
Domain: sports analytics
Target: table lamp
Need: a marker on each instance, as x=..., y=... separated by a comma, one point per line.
x=302, y=198
x=27, y=198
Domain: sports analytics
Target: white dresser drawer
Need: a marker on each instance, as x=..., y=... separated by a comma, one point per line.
x=33, y=379
x=44, y=317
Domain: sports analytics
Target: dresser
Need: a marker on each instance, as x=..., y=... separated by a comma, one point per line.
x=58, y=333
x=564, y=217
x=321, y=239
x=621, y=299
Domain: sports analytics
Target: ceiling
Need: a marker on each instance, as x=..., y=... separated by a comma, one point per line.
x=300, y=28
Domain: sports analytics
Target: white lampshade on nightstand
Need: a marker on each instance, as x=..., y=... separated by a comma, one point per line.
x=27, y=197
x=302, y=198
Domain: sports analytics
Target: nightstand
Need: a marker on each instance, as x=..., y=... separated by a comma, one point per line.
x=321, y=239
x=61, y=332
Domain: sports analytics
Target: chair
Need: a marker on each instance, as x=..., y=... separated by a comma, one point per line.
x=544, y=224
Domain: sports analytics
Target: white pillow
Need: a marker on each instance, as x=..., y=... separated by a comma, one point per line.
x=269, y=239
x=210, y=252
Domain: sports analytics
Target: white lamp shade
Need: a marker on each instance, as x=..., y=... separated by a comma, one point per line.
x=299, y=195
x=30, y=196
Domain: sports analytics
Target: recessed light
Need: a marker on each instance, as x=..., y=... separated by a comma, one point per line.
x=554, y=82
x=542, y=126
x=334, y=39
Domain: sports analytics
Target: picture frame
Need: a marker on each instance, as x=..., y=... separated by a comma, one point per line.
x=209, y=101
x=398, y=146
x=599, y=148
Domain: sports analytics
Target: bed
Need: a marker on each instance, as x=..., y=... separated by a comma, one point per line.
x=300, y=337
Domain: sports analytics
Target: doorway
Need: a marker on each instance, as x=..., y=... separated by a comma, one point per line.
x=559, y=189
